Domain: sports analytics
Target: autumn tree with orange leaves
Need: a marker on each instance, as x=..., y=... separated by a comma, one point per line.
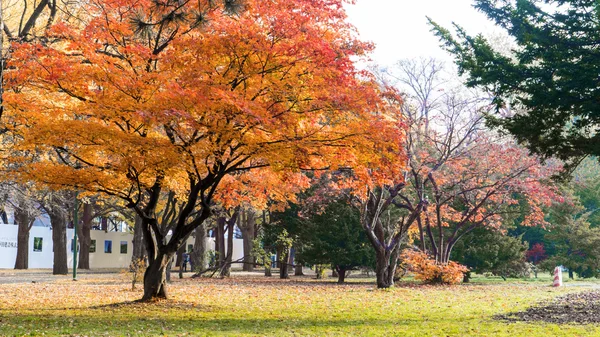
x=458, y=175
x=464, y=175
x=147, y=99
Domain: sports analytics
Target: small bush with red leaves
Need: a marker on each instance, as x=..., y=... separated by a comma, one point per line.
x=426, y=269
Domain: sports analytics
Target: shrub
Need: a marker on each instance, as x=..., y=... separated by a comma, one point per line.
x=426, y=269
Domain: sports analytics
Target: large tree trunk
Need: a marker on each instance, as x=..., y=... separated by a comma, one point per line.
x=59, y=242
x=247, y=227
x=155, y=278
x=341, y=271
x=385, y=266
x=198, y=256
x=24, y=221
x=84, y=237
x=298, y=270
x=139, y=245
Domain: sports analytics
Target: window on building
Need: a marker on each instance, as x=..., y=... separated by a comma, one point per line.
x=123, y=247
x=107, y=246
x=190, y=248
x=92, y=246
x=37, y=244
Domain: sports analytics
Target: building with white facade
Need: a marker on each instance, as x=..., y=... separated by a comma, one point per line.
x=107, y=249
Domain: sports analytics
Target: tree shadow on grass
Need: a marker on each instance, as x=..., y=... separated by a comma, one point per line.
x=138, y=324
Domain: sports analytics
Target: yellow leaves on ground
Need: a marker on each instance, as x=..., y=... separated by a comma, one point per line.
x=255, y=305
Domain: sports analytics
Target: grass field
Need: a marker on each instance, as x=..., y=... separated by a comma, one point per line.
x=257, y=306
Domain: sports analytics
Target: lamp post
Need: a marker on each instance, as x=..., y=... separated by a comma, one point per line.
x=75, y=250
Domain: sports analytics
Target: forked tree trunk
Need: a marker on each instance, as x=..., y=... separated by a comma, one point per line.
x=24, y=221
x=155, y=278
x=84, y=237
x=59, y=242
x=198, y=256
x=385, y=267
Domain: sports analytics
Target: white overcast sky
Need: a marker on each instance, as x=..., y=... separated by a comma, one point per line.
x=399, y=27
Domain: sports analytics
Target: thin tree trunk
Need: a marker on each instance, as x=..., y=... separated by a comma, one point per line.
x=198, y=256
x=24, y=221
x=226, y=271
x=104, y=224
x=220, y=241
x=59, y=242
x=84, y=237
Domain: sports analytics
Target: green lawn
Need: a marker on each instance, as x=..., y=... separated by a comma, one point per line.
x=251, y=306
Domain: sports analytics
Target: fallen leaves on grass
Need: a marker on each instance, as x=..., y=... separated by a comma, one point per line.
x=579, y=308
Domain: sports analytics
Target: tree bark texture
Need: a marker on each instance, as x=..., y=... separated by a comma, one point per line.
x=198, y=256
x=386, y=262
x=139, y=246
x=155, y=278
x=59, y=242
x=220, y=241
x=24, y=221
x=85, y=239
x=247, y=226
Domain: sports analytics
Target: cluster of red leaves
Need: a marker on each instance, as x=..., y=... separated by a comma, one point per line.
x=428, y=270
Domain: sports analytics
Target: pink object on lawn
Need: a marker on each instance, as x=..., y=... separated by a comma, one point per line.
x=557, y=277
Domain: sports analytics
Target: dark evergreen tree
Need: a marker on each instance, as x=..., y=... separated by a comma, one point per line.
x=334, y=236
x=488, y=250
x=550, y=79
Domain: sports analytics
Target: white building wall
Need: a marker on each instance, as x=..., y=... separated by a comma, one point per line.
x=98, y=259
